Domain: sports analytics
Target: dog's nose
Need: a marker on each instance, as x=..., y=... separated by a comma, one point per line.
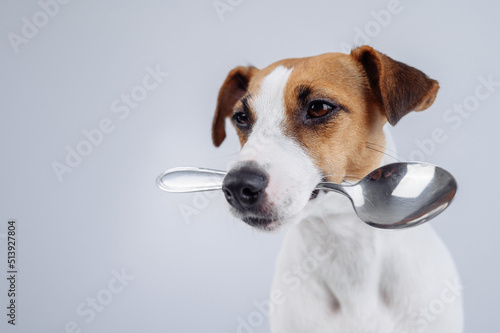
x=244, y=187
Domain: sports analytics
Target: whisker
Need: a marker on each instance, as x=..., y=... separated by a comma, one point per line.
x=383, y=147
x=395, y=155
x=383, y=152
x=364, y=197
x=350, y=182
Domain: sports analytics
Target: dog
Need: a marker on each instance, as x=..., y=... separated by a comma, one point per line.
x=323, y=118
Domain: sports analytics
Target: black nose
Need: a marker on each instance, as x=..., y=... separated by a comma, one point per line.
x=244, y=187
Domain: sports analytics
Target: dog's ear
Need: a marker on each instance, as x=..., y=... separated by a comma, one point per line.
x=233, y=88
x=399, y=88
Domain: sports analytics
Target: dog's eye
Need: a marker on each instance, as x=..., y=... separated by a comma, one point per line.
x=319, y=109
x=241, y=119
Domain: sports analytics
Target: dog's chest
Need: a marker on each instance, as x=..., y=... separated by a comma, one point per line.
x=329, y=274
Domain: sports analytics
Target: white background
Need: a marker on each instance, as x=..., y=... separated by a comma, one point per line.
x=203, y=272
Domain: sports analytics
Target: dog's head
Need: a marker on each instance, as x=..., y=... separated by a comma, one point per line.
x=303, y=121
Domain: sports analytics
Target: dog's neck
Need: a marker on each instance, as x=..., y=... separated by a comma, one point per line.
x=331, y=223
x=332, y=213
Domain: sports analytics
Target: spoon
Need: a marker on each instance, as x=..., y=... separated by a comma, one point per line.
x=394, y=196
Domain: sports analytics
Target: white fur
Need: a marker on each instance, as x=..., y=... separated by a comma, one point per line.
x=287, y=192
x=372, y=280
x=335, y=273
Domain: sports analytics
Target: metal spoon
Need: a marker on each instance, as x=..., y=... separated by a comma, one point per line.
x=394, y=196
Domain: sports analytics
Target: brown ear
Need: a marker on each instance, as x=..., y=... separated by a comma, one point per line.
x=398, y=87
x=233, y=88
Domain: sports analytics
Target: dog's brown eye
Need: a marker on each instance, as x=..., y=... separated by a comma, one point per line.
x=241, y=119
x=319, y=109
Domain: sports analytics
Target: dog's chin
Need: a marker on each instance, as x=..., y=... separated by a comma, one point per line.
x=266, y=224
x=276, y=223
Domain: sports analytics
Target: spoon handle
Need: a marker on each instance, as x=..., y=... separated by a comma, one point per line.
x=338, y=188
x=193, y=179
x=190, y=179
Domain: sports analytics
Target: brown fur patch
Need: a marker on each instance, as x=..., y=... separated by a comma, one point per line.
x=370, y=89
x=338, y=146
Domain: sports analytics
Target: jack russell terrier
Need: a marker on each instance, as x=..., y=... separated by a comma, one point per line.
x=309, y=120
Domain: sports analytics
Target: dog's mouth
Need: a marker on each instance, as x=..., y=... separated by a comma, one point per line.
x=314, y=195
x=266, y=217
x=270, y=223
x=264, y=223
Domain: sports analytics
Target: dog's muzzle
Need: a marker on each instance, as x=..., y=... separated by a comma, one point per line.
x=244, y=188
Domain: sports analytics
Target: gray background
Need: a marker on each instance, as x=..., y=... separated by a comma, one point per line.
x=204, y=271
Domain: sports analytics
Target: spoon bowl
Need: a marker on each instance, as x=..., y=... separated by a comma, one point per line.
x=394, y=196
x=399, y=195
